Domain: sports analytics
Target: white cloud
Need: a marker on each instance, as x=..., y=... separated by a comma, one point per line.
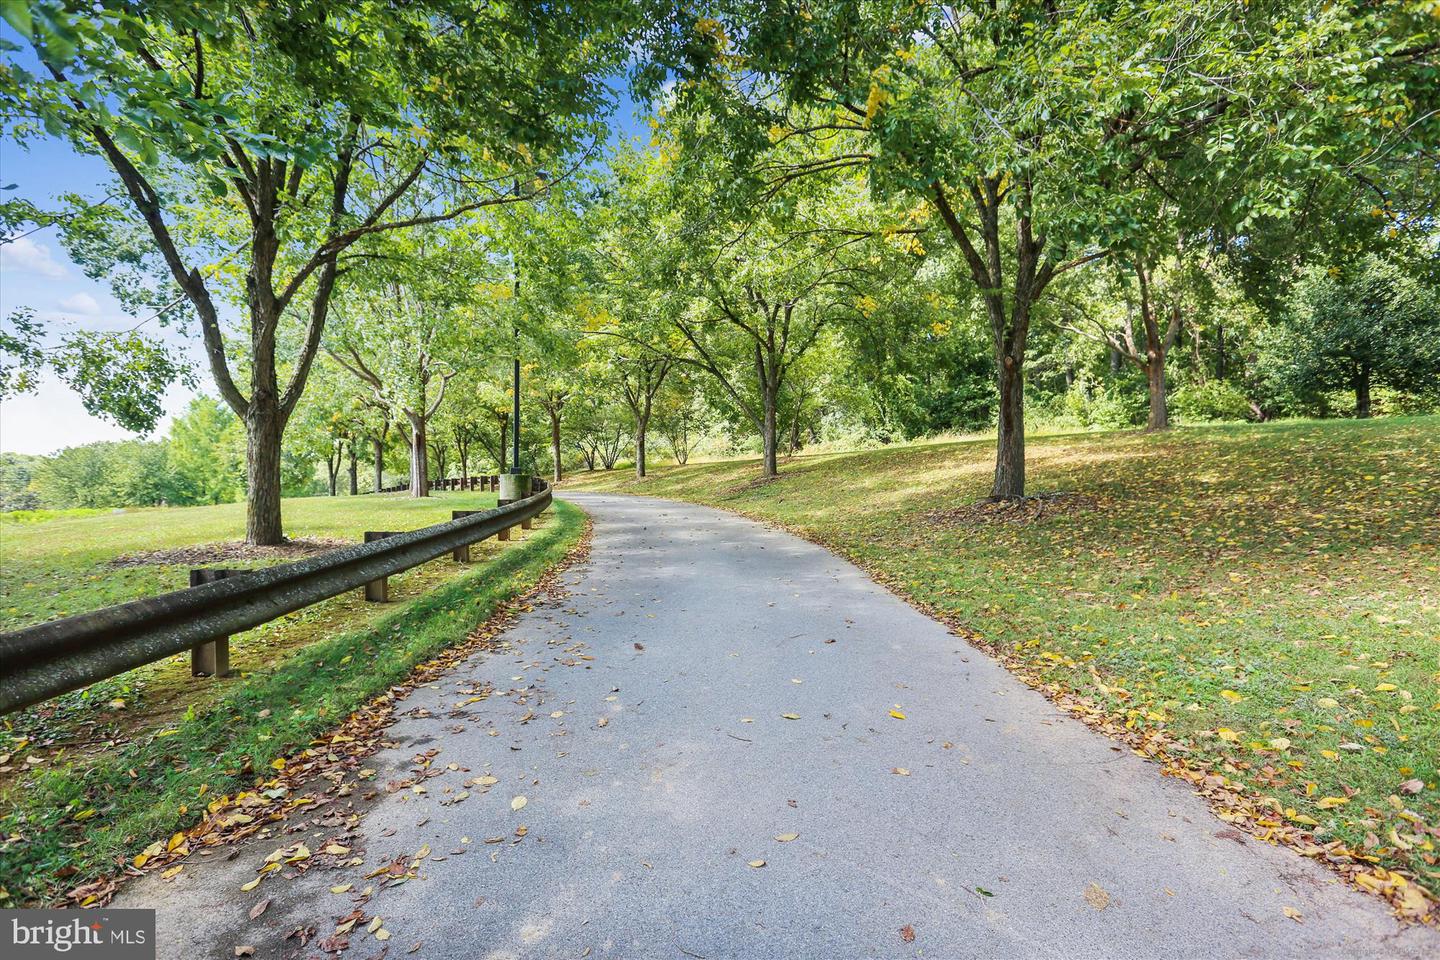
x=26, y=256
x=81, y=303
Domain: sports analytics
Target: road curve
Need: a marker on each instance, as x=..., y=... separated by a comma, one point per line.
x=659, y=768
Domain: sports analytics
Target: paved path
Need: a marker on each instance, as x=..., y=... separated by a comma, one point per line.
x=1016, y=832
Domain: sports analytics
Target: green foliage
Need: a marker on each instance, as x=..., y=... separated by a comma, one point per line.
x=106, y=474
x=207, y=454
x=15, y=490
x=1356, y=327
x=1212, y=400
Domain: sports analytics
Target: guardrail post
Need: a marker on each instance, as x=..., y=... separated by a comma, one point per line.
x=462, y=554
x=378, y=591
x=503, y=534
x=210, y=659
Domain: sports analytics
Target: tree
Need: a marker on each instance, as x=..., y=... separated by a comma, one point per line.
x=410, y=327
x=206, y=446
x=677, y=415
x=1357, y=327
x=640, y=379
x=280, y=137
x=552, y=396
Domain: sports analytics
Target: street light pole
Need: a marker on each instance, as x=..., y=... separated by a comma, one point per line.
x=515, y=410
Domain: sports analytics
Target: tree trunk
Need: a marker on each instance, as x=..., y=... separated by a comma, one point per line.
x=555, y=443
x=1220, y=351
x=1010, y=442
x=641, y=425
x=354, y=472
x=768, y=432
x=262, y=472
x=332, y=468
x=419, y=459
x=1114, y=363
x=1155, y=376
x=1362, y=392
x=379, y=463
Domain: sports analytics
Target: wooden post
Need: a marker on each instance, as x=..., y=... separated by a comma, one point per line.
x=378, y=591
x=210, y=659
x=462, y=554
x=503, y=534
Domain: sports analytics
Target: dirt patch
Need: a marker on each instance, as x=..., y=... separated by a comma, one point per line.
x=207, y=553
x=1021, y=510
x=753, y=484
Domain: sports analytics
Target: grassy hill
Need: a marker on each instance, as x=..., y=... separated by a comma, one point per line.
x=1258, y=605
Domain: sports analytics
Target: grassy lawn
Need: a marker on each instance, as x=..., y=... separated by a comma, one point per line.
x=78, y=813
x=1259, y=603
x=56, y=568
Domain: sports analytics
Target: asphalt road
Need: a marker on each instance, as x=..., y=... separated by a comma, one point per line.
x=712, y=688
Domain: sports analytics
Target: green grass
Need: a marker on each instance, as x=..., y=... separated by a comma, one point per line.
x=60, y=567
x=75, y=821
x=1269, y=595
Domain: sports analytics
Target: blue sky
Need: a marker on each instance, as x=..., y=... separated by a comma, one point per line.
x=35, y=272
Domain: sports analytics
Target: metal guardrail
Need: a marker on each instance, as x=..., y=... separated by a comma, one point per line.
x=49, y=659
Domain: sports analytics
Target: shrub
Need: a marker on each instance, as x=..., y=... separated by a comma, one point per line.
x=1214, y=400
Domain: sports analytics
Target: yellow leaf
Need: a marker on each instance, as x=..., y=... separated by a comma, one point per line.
x=342, y=888
x=757, y=864
x=786, y=837
x=1385, y=687
x=1228, y=735
x=1294, y=914
x=897, y=714
x=382, y=934
x=791, y=716
x=175, y=841
x=278, y=763
x=252, y=884
x=1231, y=695
x=518, y=803
x=1329, y=803
x=172, y=873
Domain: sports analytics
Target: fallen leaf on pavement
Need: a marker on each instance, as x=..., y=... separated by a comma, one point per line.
x=1294, y=914
x=907, y=933
x=1096, y=896
x=259, y=908
x=518, y=803
x=786, y=837
x=757, y=863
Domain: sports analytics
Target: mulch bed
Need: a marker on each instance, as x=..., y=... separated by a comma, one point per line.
x=203, y=553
